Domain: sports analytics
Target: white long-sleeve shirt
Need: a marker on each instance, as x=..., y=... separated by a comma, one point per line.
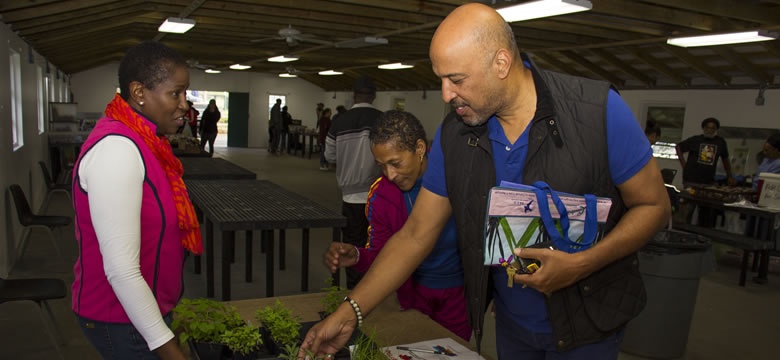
x=112, y=172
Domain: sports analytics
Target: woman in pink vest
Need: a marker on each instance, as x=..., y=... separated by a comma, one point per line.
x=134, y=219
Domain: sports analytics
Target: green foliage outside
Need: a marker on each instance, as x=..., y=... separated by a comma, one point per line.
x=204, y=320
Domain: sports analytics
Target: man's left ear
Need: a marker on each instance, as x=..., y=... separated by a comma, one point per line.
x=502, y=62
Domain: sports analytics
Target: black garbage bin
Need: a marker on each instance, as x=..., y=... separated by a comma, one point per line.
x=671, y=265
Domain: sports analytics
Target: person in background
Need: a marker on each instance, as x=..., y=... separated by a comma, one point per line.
x=435, y=289
x=516, y=122
x=318, y=110
x=208, y=123
x=339, y=110
x=347, y=146
x=323, y=124
x=771, y=161
x=652, y=131
x=703, y=153
x=134, y=219
x=192, y=119
x=275, y=127
x=286, y=121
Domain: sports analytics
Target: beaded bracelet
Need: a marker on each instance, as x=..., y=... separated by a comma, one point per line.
x=356, y=308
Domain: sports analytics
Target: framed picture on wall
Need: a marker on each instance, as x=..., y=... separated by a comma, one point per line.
x=669, y=117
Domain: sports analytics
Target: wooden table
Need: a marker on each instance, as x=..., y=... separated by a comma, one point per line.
x=764, y=228
x=393, y=327
x=209, y=168
x=246, y=205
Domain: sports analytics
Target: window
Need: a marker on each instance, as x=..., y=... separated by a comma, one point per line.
x=50, y=86
x=17, y=122
x=41, y=100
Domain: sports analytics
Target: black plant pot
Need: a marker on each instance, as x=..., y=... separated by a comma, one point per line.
x=209, y=351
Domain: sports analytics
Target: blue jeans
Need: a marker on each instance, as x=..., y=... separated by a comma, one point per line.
x=118, y=341
x=515, y=342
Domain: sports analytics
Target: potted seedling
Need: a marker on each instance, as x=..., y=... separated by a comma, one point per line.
x=334, y=296
x=366, y=347
x=201, y=323
x=245, y=342
x=280, y=327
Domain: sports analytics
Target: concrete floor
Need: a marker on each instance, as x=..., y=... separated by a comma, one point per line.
x=729, y=322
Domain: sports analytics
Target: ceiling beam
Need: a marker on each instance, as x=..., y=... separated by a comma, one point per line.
x=697, y=64
x=671, y=15
x=761, y=77
x=743, y=10
x=659, y=65
x=622, y=65
x=55, y=8
x=562, y=67
x=596, y=69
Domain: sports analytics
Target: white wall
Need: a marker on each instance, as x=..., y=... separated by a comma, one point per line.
x=20, y=166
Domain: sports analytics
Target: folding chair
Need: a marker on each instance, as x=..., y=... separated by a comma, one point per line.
x=52, y=186
x=28, y=219
x=40, y=291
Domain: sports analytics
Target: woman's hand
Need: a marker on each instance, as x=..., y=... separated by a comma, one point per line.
x=329, y=335
x=340, y=255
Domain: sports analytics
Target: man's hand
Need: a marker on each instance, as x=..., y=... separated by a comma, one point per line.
x=559, y=269
x=328, y=336
x=731, y=181
x=340, y=255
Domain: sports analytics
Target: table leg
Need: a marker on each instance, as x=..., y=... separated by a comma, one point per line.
x=311, y=145
x=763, y=267
x=268, y=239
x=305, y=262
x=337, y=275
x=197, y=259
x=228, y=245
x=248, y=249
x=282, y=249
x=209, y=259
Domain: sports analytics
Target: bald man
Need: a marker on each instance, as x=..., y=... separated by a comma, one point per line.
x=513, y=121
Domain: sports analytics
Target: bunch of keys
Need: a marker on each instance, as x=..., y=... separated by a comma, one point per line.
x=524, y=266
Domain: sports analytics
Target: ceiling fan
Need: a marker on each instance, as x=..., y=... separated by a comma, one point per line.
x=192, y=63
x=293, y=37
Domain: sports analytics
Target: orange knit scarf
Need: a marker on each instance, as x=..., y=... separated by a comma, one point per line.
x=119, y=110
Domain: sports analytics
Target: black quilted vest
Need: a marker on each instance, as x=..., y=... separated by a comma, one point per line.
x=568, y=151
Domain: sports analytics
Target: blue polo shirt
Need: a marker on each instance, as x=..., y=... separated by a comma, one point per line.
x=628, y=152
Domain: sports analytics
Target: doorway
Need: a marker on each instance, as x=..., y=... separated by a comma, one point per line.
x=200, y=100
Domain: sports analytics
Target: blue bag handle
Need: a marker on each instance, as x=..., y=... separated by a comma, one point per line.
x=562, y=240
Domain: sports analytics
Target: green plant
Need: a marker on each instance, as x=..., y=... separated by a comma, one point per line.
x=281, y=323
x=367, y=348
x=244, y=339
x=204, y=320
x=334, y=296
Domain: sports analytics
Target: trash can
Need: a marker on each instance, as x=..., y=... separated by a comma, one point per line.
x=671, y=265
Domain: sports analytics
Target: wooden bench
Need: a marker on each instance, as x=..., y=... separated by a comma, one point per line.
x=746, y=243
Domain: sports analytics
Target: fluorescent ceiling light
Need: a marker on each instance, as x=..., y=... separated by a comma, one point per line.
x=212, y=71
x=330, y=72
x=176, y=25
x=287, y=75
x=283, y=58
x=543, y=8
x=361, y=42
x=240, y=67
x=722, y=39
x=395, y=66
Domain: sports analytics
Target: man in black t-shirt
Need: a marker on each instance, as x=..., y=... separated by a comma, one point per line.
x=703, y=153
